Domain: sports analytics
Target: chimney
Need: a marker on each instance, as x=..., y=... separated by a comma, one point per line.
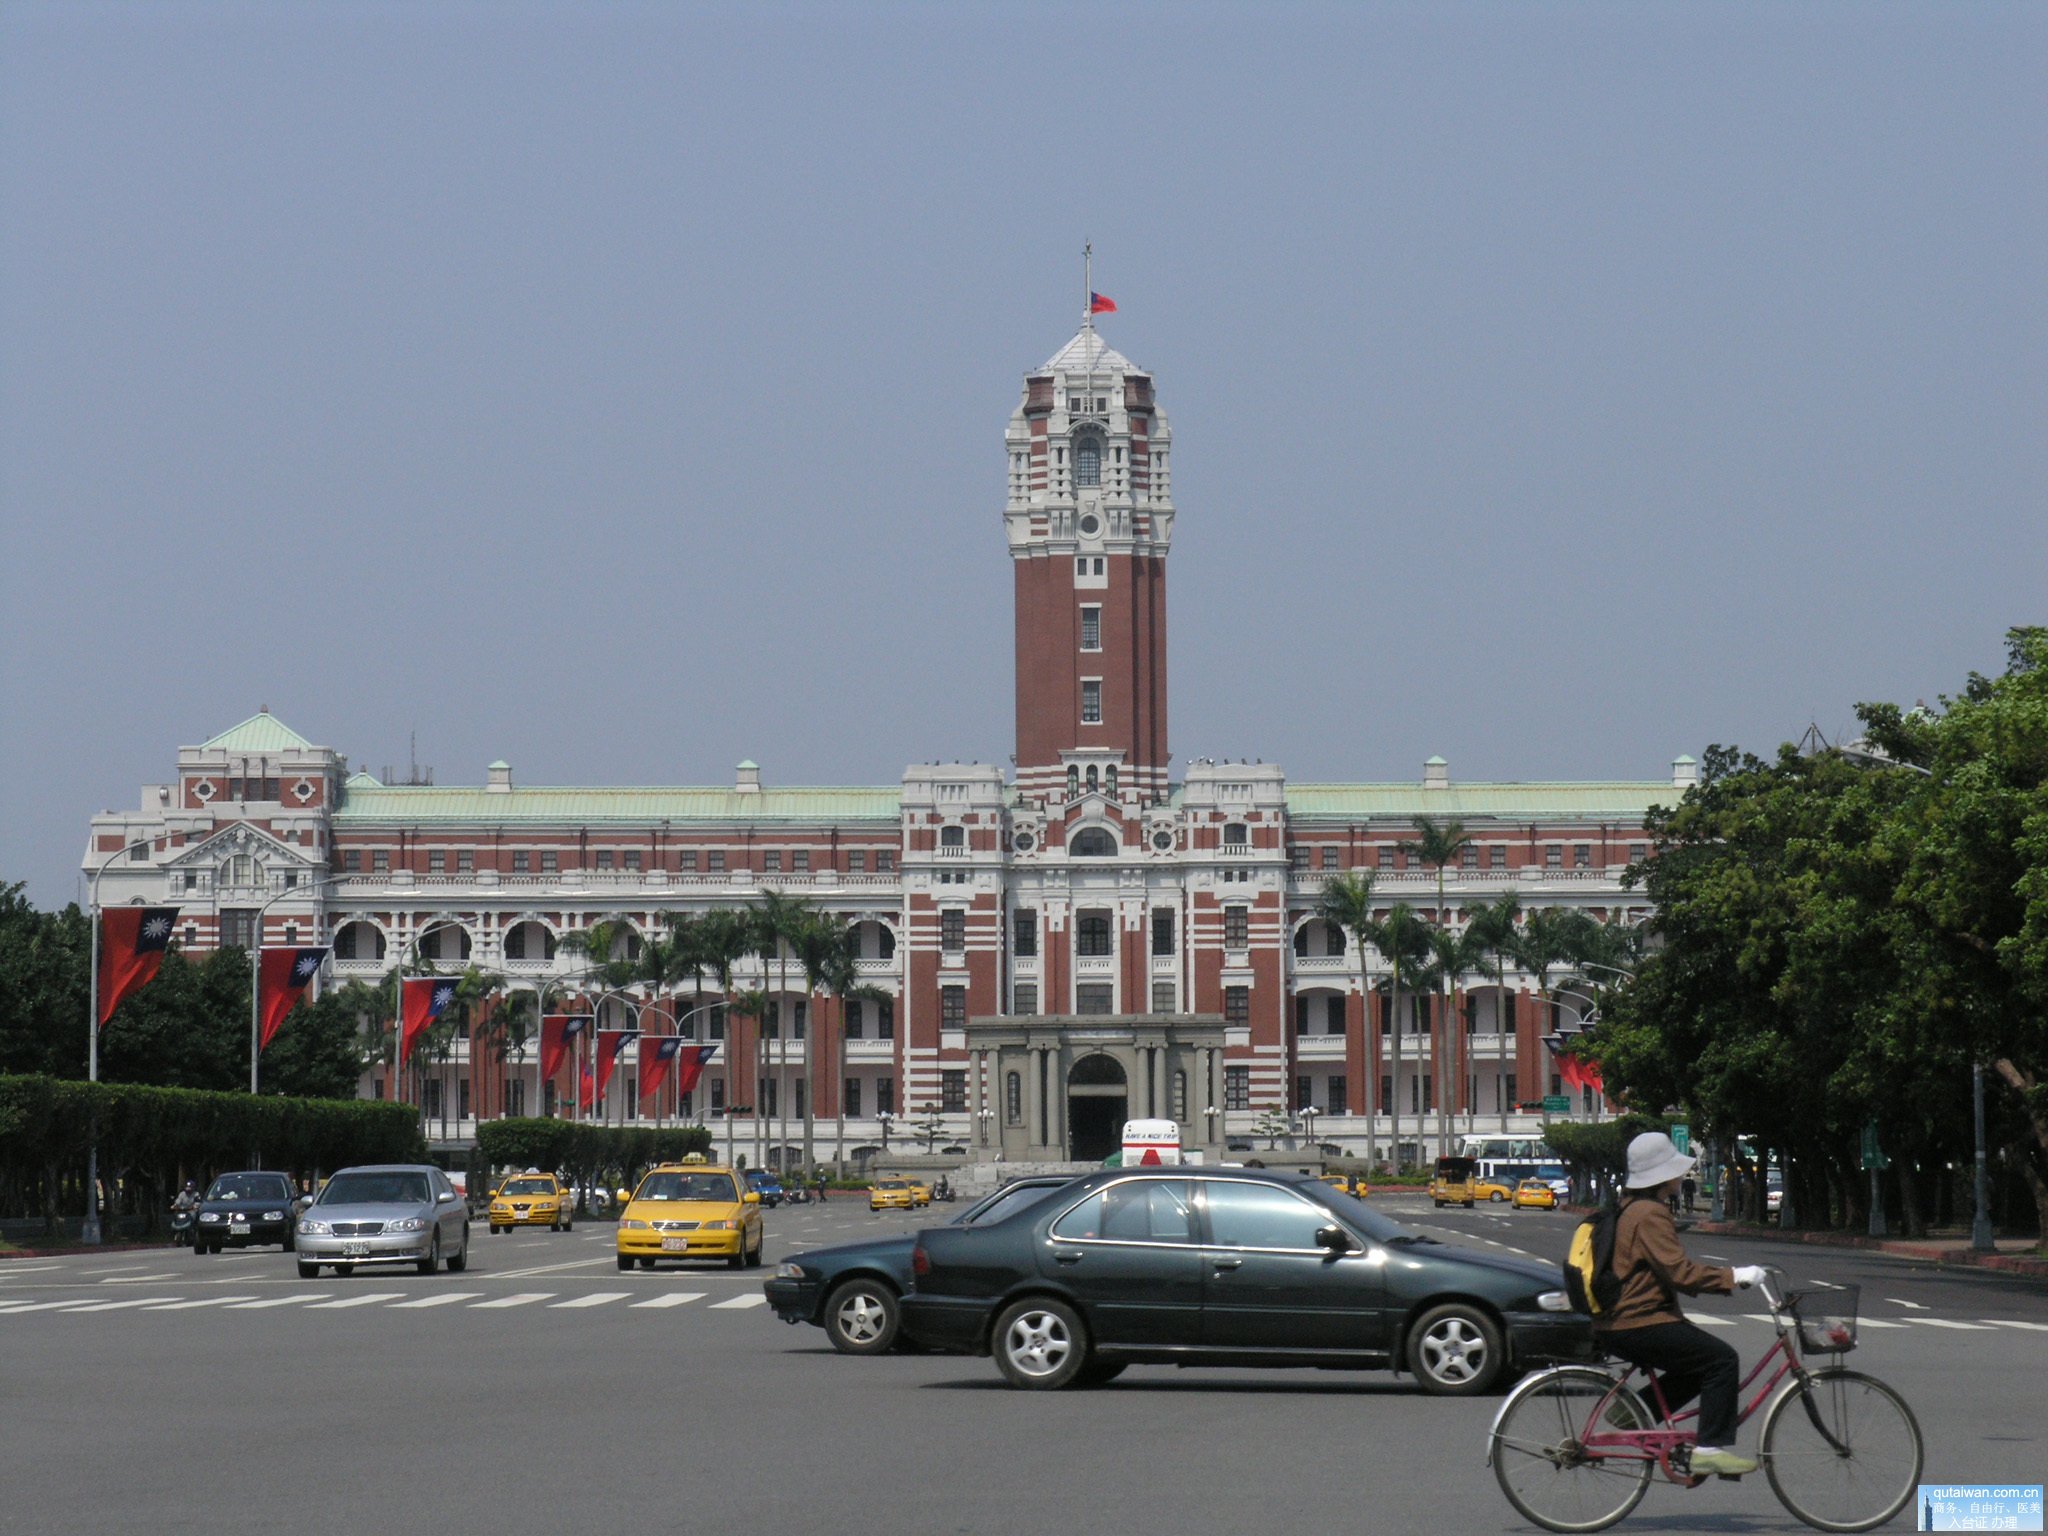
x=501, y=778
x=1685, y=772
x=1436, y=774
x=749, y=781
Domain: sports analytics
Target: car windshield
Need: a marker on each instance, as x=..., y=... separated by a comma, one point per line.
x=250, y=1186
x=528, y=1187
x=376, y=1189
x=762, y=1179
x=688, y=1186
x=1003, y=1204
x=1551, y=1171
x=891, y=1184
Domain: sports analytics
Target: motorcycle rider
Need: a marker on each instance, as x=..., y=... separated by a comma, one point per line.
x=184, y=1209
x=188, y=1198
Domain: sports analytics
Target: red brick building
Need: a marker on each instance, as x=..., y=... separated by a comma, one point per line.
x=1086, y=938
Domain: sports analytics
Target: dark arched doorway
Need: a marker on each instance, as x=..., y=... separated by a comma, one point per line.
x=1097, y=1106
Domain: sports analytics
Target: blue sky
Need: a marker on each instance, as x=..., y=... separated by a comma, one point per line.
x=620, y=389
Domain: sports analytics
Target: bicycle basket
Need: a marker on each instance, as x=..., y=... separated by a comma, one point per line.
x=1825, y=1320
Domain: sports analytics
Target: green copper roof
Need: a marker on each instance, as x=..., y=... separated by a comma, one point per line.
x=1514, y=802
x=262, y=732
x=433, y=802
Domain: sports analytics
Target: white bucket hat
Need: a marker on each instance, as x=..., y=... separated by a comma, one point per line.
x=1654, y=1160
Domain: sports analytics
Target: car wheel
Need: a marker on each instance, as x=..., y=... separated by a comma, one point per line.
x=432, y=1261
x=627, y=1263
x=342, y=1270
x=1455, y=1350
x=739, y=1255
x=310, y=1271
x=568, y=1223
x=1099, y=1373
x=760, y=1245
x=647, y=1263
x=1040, y=1344
x=861, y=1317
x=1496, y=1197
x=458, y=1262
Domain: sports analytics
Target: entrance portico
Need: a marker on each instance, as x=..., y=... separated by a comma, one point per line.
x=1058, y=1088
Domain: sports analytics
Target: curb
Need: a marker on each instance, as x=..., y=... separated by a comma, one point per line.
x=2030, y=1266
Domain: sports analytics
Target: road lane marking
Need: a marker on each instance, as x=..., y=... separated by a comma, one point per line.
x=1878, y=1322
x=2009, y=1322
x=594, y=1299
x=547, y=1269
x=446, y=1299
x=204, y=1301
x=1901, y=1301
x=118, y=1269
x=275, y=1301
x=25, y=1269
x=117, y=1306
x=1711, y=1322
x=1949, y=1322
x=1826, y=1285
x=739, y=1303
x=524, y=1298
x=355, y=1301
x=1718, y=1258
x=169, y=1274
x=674, y=1299
x=50, y=1306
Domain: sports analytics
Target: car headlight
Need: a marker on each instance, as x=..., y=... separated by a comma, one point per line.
x=405, y=1224
x=1554, y=1301
x=311, y=1228
x=633, y=1226
x=791, y=1272
x=720, y=1226
x=210, y=1216
x=273, y=1215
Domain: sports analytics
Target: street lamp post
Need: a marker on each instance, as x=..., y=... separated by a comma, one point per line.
x=256, y=968
x=1307, y=1115
x=984, y=1115
x=1210, y=1113
x=886, y=1120
x=89, y=1229
x=1980, y=1224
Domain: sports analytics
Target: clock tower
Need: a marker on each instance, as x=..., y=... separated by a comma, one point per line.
x=1089, y=519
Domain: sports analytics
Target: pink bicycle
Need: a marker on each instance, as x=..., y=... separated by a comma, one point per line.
x=1573, y=1447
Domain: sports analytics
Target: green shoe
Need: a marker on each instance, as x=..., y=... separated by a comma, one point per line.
x=1720, y=1464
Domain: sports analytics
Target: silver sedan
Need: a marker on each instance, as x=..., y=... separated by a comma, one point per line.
x=402, y=1213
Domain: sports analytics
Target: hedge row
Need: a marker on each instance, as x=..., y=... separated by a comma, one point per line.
x=152, y=1139
x=602, y=1156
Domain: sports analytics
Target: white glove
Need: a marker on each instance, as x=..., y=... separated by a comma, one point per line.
x=1747, y=1275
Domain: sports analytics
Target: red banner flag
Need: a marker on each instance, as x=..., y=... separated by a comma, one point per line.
x=586, y=1094
x=657, y=1054
x=557, y=1031
x=1101, y=304
x=690, y=1065
x=423, y=1000
x=609, y=1044
x=132, y=945
x=281, y=979
x=1568, y=1069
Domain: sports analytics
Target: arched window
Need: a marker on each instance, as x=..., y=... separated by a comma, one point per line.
x=1109, y=780
x=1094, y=781
x=1093, y=843
x=1087, y=460
x=1073, y=782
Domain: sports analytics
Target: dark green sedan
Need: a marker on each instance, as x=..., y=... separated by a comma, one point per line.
x=1229, y=1267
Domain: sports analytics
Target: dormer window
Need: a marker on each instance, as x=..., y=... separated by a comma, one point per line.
x=1234, y=835
x=1087, y=460
x=1092, y=843
x=952, y=837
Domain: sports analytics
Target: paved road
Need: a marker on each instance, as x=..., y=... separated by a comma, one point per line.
x=546, y=1391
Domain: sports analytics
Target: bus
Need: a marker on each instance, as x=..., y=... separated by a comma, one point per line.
x=1497, y=1173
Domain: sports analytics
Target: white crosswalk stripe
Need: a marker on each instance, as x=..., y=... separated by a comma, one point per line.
x=594, y=1299
x=1949, y=1322
x=367, y=1299
x=169, y=1274
x=120, y=1306
x=739, y=1303
x=1713, y=1322
x=522, y=1299
x=275, y=1301
x=48, y=1306
x=445, y=1299
x=675, y=1299
x=2007, y=1322
x=204, y=1301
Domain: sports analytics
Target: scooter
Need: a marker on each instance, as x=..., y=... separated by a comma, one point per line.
x=943, y=1191
x=182, y=1223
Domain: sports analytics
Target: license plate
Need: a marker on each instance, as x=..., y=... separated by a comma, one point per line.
x=355, y=1250
x=238, y=1229
x=675, y=1245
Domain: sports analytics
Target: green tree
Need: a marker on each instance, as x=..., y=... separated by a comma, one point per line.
x=1404, y=942
x=1346, y=903
x=43, y=968
x=1494, y=928
x=1436, y=844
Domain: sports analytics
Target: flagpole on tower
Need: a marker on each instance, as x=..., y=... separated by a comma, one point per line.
x=1088, y=286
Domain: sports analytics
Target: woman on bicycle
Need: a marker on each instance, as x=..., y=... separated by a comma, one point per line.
x=1646, y=1327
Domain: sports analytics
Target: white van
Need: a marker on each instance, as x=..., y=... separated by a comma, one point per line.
x=1151, y=1144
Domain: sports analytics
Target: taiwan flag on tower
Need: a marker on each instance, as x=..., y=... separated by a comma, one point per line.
x=1100, y=304
x=281, y=979
x=426, y=998
x=132, y=945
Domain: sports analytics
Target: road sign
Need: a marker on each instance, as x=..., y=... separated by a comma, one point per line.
x=1681, y=1136
x=1556, y=1104
x=1874, y=1159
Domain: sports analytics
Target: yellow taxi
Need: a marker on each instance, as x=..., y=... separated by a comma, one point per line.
x=1535, y=1195
x=1344, y=1184
x=531, y=1199
x=920, y=1189
x=691, y=1211
x=892, y=1195
x=1487, y=1187
x=1452, y=1183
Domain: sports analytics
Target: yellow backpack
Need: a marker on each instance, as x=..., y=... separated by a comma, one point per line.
x=1589, y=1277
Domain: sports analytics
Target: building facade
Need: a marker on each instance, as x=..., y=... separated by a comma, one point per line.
x=1046, y=951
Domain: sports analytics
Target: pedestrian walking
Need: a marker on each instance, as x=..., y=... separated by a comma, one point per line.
x=1689, y=1187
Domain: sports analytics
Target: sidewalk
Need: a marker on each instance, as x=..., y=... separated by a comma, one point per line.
x=2014, y=1255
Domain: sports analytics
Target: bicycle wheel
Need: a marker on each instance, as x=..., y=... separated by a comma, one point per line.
x=1849, y=1463
x=1543, y=1468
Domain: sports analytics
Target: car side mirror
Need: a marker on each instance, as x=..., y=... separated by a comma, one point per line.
x=447, y=1199
x=1336, y=1239
x=751, y=1197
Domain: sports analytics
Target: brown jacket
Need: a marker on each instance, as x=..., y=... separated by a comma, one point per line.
x=1653, y=1267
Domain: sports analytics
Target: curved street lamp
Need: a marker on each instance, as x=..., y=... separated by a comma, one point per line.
x=89, y=1229
x=256, y=967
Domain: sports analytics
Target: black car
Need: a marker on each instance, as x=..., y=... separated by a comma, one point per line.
x=1231, y=1267
x=241, y=1209
x=852, y=1291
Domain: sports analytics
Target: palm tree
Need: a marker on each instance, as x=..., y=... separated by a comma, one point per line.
x=752, y=1004
x=1436, y=844
x=722, y=937
x=1551, y=937
x=1493, y=928
x=1346, y=903
x=822, y=941
x=1402, y=938
x=779, y=923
